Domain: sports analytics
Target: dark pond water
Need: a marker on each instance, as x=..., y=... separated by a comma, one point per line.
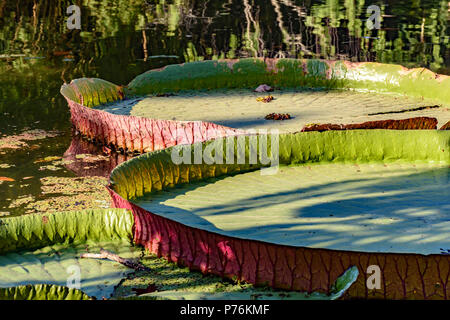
x=121, y=39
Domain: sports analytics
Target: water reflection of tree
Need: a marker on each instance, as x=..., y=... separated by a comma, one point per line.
x=120, y=40
x=195, y=30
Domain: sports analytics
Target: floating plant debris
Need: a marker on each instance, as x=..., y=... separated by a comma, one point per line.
x=48, y=159
x=19, y=141
x=265, y=99
x=21, y=201
x=278, y=116
x=405, y=110
x=50, y=167
x=105, y=254
x=446, y=126
x=66, y=193
x=404, y=124
x=263, y=88
x=150, y=288
x=91, y=158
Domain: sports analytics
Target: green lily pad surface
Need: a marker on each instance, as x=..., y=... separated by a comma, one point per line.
x=366, y=207
x=55, y=264
x=45, y=249
x=239, y=108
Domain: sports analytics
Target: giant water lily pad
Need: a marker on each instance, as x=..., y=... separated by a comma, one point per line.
x=365, y=207
x=337, y=199
x=199, y=101
x=240, y=109
x=45, y=249
x=200, y=94
x=55, y=264
x=145, y=116
x=378, y=191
